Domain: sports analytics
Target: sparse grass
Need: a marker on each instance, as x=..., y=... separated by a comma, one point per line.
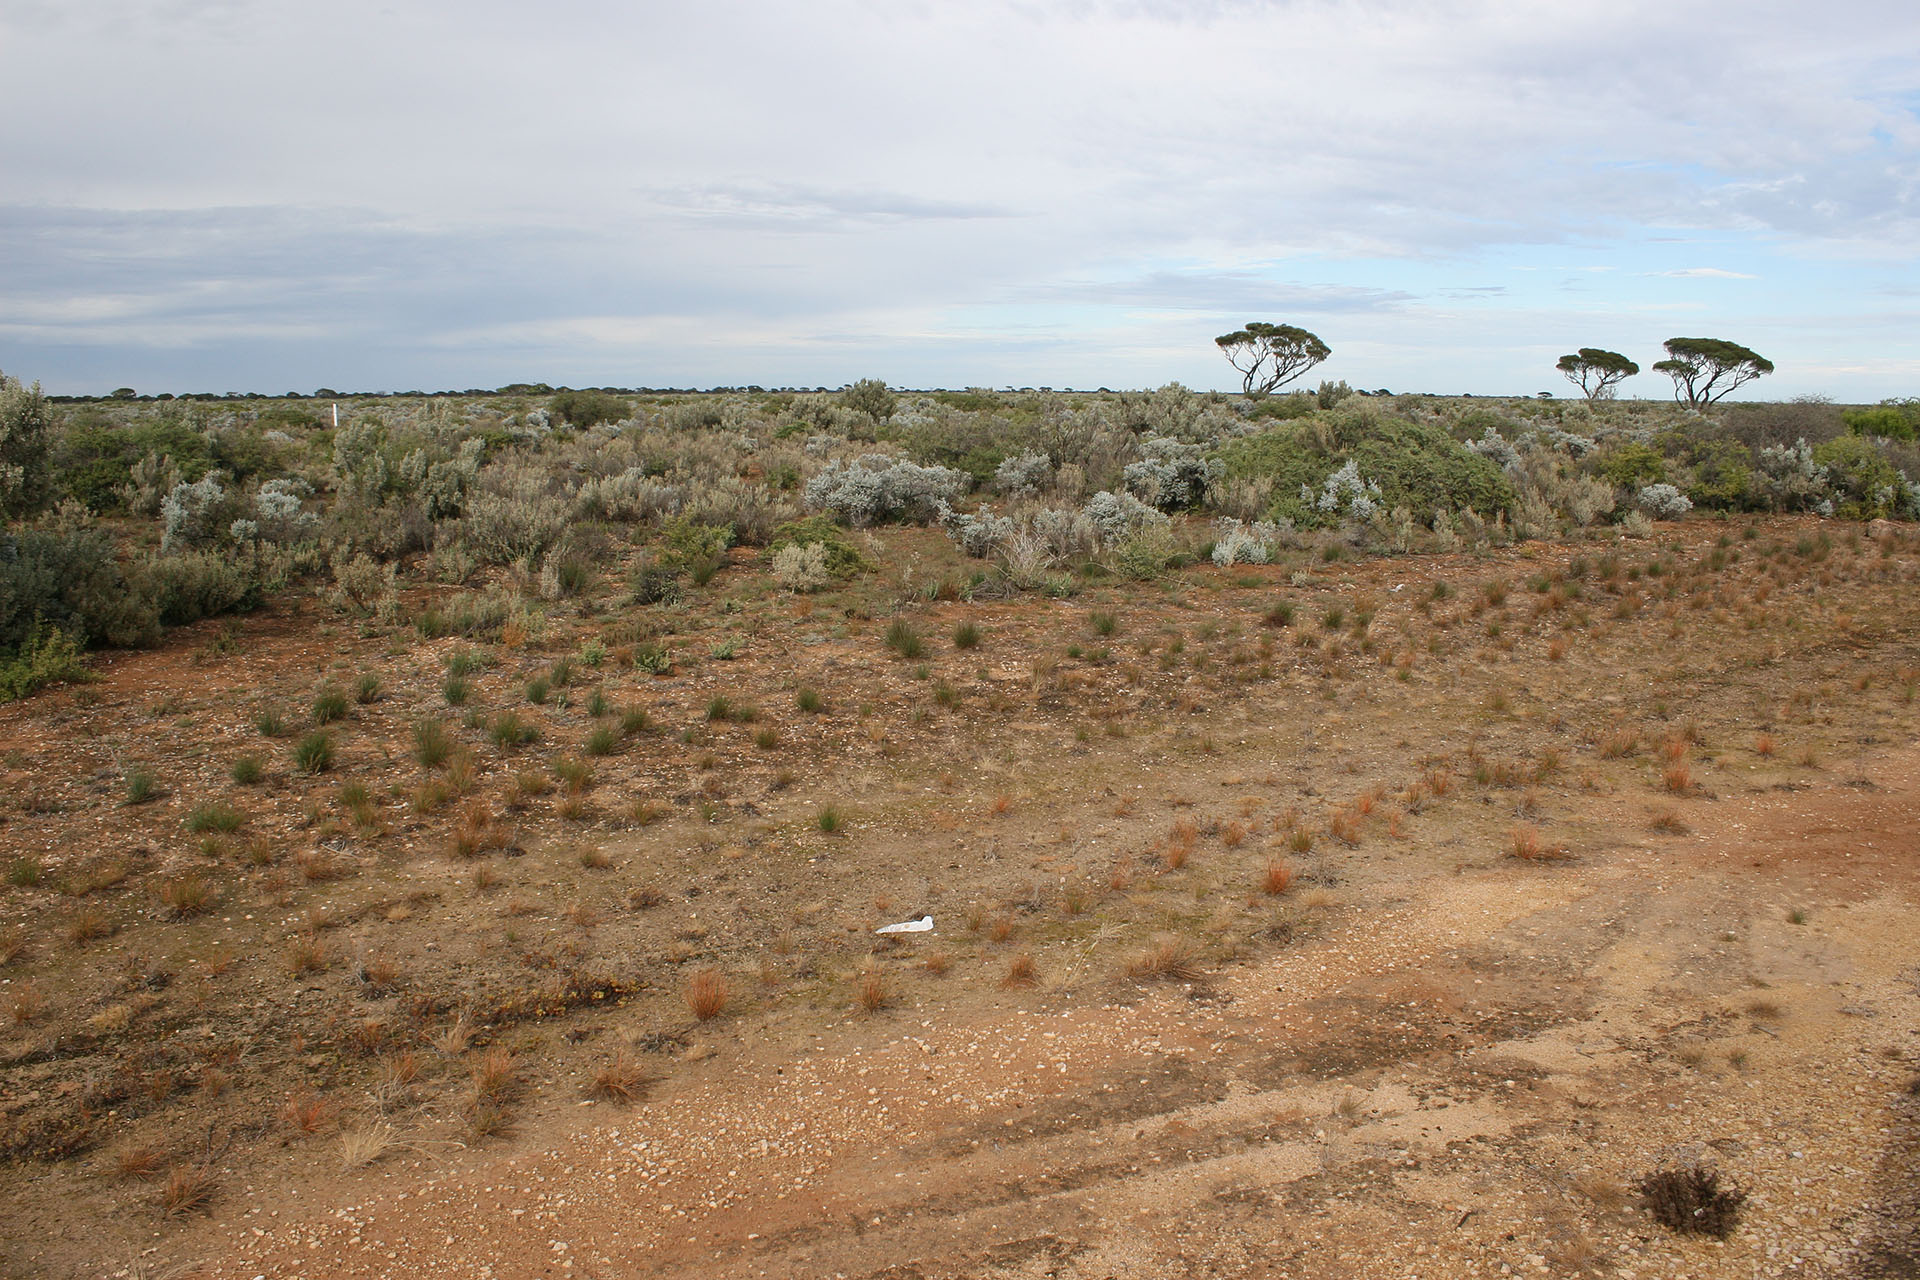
x=314, y=753
x=329, y=706
x=270, y=722
x=1103, y=622
x=509, y=731
x=602, y=740
x=1667, y=819
x=141, y=786
x=905, y=641
x=432, y=742
x=366, y=690
x=966, y=635
x=1167, y=959
x=215, y=816
x=188, y=895
x=455, y=691
x=25, y=872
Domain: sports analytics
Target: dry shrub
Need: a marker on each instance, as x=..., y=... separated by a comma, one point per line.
x=622, y=1079
x=706, y=994
x=1277, y=878
x=1692, y=1201
x=1021, y=972
x=1167, y=960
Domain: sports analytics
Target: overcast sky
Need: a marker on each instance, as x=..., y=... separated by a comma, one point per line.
x=275, y=195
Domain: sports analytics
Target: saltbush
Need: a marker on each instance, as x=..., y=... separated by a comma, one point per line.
x=876, y=488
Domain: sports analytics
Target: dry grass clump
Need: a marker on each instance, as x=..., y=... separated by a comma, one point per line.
x=142, y=1162
x=26, y=1004
x=1167, y=960
x=870, y=992
x=1525, y=843
x=188, y=895
x=1618, y=744
x=308, y=1112
x=188, y=1187
x=1763, y=744
x=707, y=994
x=1667, y=819
x=478, y=831
x=364, y=1143
x=1021, y=972
x=621, y=1079
x=1677, y=778
x=1277, y=878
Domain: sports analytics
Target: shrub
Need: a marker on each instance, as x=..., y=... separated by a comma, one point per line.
x=141, y=786
x=966, y=636
x=877, y=488
x=1172, y=474
x=1663, y=502
x=50, y=657
x=584, y=409
x=1692, y=1201
x=432, y=743
x=187, y=895
x=842, y=559
x=871, y=397
x=809, y=701
x=802, y=568
x=509, y=730
x=330, y=705
x=25, y=419
x=1321, y=468
x=248, y=770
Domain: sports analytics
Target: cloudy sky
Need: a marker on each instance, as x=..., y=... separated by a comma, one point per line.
x=274, y=195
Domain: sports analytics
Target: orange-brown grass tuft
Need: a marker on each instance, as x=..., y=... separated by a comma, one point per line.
x=496, y=1076
x=1618, y=744
x=1167, y=960
x=1021, y=972
x=1524, y=842
x=1677, y=778
x=1176, y=855
x=1344, y=826
x=306, y=954
x=1277, y=878
x=870, y=992
x=143, y=1162
x=188, y=895
x=188, y=1187
x=707, y=995
x=1763, y=744
x=1233, y=835
x=1001, y=928
x=1439, y=782
x=937, y=963
x=1002, y=805
x=622, y=1079
x=1120, y=878
x=308, y=1112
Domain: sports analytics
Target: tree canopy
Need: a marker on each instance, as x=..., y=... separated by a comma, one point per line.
x=1269, y=356
x=1705, y=369
x=1596, y=372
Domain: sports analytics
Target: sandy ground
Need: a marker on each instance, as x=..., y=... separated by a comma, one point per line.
x=1462, y=1074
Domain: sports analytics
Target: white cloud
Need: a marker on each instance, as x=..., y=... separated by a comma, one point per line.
x=448, y=173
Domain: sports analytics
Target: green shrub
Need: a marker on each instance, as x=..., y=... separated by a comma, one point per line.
x=1896, y=421
x=248, y=770
x=70, y=581
x=1633, y=465
x=842, y=560
x=585, y=409
x=1413, y=465
x=1864, y=483
x=48, y=657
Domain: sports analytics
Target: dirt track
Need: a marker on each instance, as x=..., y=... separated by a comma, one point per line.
x=1461, y=1073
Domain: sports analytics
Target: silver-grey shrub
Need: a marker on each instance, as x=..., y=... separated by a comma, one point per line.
x=196, y=514
x=1171, y=474
x=876, y=488
x=518, y=512
x=1663, y=502
x=1120, y=516
x=1023, y=475
x=1236, y=543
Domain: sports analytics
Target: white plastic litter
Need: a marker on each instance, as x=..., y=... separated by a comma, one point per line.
x=923, y=925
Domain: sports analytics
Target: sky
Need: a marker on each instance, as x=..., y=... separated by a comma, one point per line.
x=274, y=196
